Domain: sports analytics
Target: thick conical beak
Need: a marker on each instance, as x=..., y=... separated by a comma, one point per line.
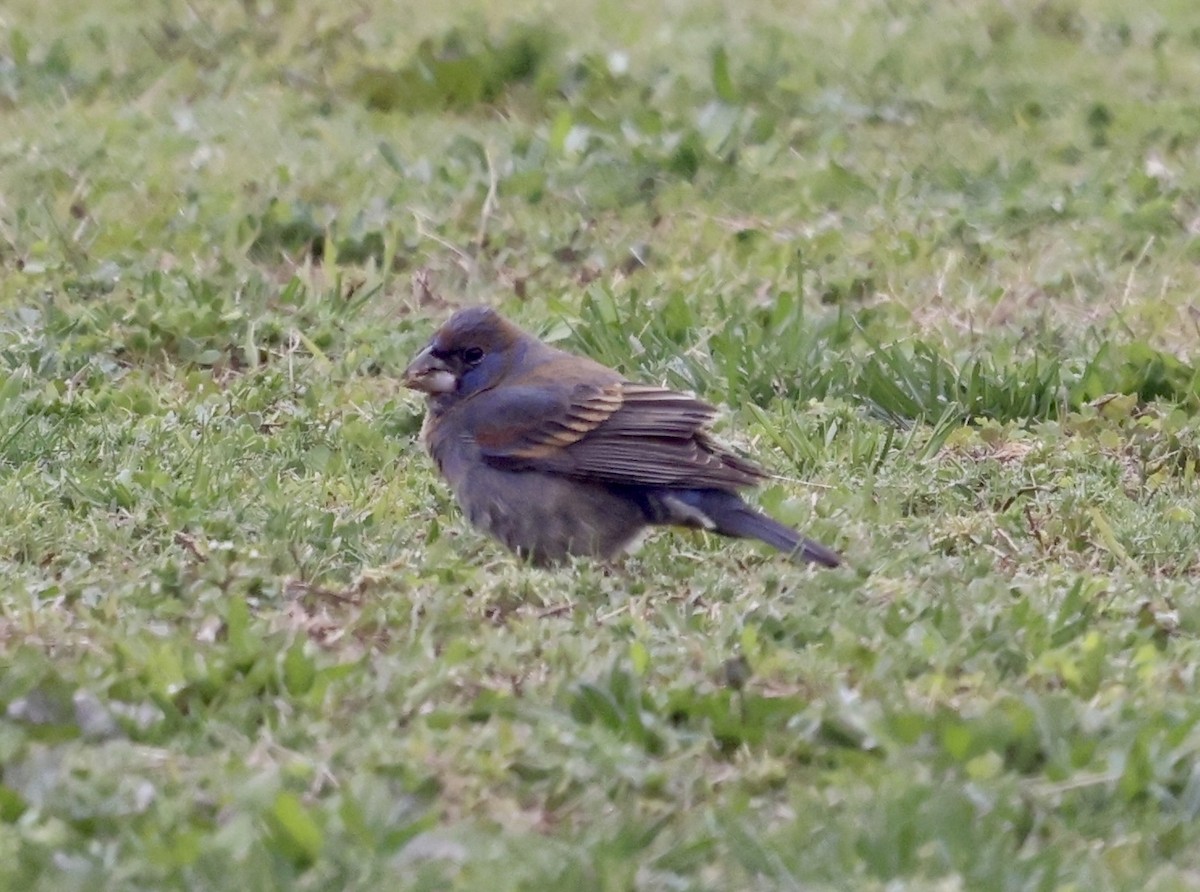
x=429, y=374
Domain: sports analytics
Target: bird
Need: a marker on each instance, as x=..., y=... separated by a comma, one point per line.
x=556, y=456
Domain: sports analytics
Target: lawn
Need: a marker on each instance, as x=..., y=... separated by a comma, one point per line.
x=937, y=261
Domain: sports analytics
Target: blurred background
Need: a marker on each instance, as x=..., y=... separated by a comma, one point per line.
x=937, y=260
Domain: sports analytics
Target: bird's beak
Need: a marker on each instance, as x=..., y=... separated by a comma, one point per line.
x=429, y=374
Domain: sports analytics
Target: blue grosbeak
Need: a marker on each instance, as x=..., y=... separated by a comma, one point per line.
x=555, y=455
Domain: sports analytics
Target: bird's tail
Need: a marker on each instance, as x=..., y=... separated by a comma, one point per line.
x=725, y=513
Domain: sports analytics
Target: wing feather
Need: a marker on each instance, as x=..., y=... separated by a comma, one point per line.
x=629, y=434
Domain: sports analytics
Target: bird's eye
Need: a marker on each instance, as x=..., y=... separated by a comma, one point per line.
x=472, y=355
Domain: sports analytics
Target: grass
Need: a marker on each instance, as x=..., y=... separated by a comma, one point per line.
x=939, y=262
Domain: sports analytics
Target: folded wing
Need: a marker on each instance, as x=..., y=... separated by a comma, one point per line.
x=623, y=433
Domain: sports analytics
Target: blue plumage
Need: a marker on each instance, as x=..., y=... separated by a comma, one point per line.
x=555, y=455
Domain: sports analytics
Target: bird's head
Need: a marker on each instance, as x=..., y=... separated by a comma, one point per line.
x=469, y=353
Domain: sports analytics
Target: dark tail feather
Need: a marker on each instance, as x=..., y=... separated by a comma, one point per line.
x=747, y=523
x=730, y=516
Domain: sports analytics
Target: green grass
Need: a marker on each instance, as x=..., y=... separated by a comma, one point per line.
x=939, y=262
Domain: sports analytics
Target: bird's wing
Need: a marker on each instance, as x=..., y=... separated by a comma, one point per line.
x=618, y=432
